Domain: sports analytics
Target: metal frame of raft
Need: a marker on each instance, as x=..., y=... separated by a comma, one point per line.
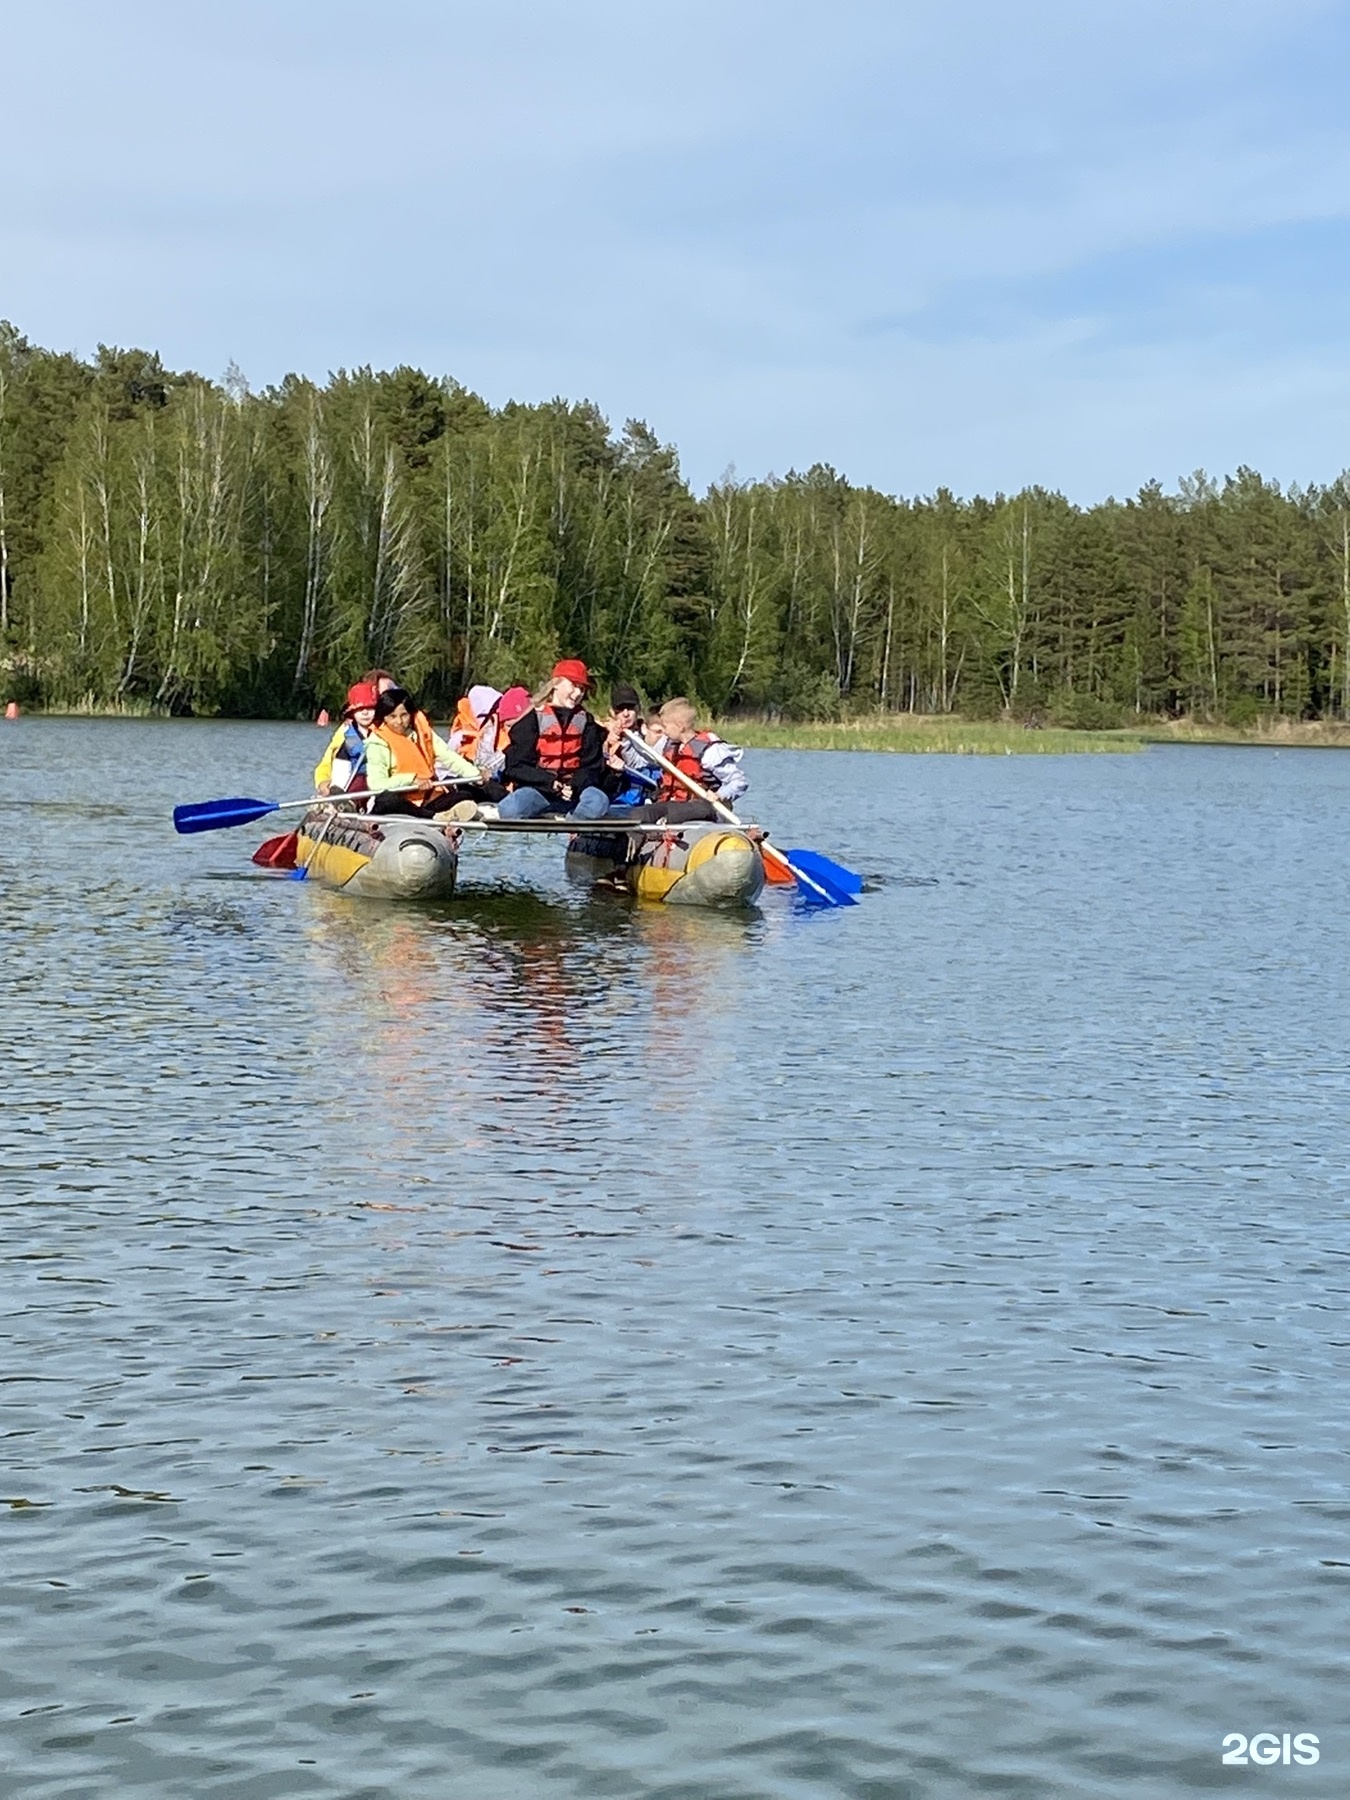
x=574, y=827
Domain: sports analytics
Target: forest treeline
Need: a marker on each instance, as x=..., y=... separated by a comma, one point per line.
x=174, y=543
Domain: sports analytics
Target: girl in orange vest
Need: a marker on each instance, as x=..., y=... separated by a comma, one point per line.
x=404, y=752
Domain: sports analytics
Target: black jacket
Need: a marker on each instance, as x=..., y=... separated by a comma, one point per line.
x=522, y=750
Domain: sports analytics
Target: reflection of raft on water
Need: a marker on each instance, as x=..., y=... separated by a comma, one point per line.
x=383, y=857
x=686, y=865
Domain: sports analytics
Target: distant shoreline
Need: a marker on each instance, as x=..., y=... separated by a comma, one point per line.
x=923, y=733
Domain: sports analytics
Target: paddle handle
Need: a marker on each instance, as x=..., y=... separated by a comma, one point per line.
x=724, y=811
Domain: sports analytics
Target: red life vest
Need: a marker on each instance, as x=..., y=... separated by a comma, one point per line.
x=560, y=745
x=688, y=759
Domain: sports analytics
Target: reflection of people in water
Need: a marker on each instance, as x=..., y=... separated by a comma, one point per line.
x=488, y=1027
x=387, y=973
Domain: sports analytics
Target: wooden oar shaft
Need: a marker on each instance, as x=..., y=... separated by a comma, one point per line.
x=699, y=792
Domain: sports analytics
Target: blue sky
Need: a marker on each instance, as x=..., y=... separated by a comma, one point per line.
x=975, y=245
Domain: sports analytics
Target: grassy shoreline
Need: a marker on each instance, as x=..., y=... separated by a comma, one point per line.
x=1270, y=734
x=909, y=733
x=914, y=733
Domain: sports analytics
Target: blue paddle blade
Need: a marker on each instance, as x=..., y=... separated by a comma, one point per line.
x=816, y=892
x=832, y=876
x=216, y=815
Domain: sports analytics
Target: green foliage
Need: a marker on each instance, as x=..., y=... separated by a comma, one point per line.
x=176, y=544
x=1086, y=712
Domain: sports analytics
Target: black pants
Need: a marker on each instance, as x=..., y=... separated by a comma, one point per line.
x=489, y=790
x=670, y=812
x=395, y=801
x=407, y=807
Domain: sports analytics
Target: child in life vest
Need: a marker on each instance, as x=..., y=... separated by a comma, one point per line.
x=490, y=750
x=475, y=718
x=403, y=753
x=555, y=756
x=702, y=755
x=342, y=767
x=630, y=779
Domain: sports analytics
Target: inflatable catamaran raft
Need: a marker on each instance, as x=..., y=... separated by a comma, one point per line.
x=389, y=856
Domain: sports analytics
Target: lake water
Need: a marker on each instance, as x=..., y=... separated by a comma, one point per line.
x=534, y=1347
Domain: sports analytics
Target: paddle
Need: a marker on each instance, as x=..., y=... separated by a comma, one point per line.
x=219, y=815
x=817, y=881
x=277, y=852
x=826, y=871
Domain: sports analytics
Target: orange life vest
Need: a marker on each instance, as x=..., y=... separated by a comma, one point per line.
x=560, y=745
x=688, y=759
x=415, y=755
x=465, y=728
x=469, y=734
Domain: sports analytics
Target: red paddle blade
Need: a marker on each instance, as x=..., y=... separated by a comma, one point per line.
x=278, y=852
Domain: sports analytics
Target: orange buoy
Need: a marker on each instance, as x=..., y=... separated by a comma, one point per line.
x=323, y=718
x=12, y=710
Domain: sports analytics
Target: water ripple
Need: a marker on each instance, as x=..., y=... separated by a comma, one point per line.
x=536, y=1347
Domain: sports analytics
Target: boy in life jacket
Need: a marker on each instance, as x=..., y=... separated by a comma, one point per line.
x=404, y=752
x=708, y=759
x=342, y=767
x=555, y=756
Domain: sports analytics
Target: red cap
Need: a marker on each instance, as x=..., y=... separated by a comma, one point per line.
x=362, y=694
x=569, y=669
